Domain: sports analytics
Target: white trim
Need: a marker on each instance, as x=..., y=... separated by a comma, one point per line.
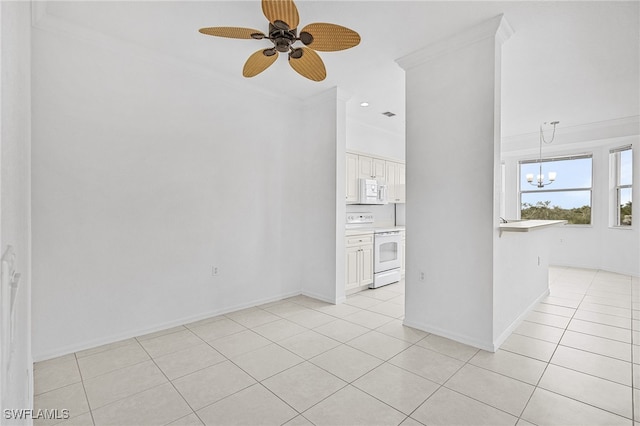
x=509, y=330
x=590, y=133
x=152, y=329
x=487, y=346
x=598, y=268
x=322, y=297
x=496, y=27
x=56, y=25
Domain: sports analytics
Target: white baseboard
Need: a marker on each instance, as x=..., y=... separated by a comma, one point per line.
x=65, y=350
x=321, y=297
x=467, y=340
x=596, y=268
x=507, y=332
x=486, y=345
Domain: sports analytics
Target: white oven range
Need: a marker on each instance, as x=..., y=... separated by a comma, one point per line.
x=387, y=246
x=387, y=258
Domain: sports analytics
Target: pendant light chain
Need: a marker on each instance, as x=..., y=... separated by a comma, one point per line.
x=552, y=175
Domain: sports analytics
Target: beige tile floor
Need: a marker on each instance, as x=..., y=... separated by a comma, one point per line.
x=574, y=361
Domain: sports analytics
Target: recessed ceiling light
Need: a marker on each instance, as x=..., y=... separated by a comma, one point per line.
x=364, y=104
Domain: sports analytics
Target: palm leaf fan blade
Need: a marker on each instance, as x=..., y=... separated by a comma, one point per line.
x=309, y=65
x=258, y=62
x=281, y=10
x=231, y=32
x=329, y=37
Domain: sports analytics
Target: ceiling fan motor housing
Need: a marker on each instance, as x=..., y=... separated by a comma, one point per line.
x=283, y=33
x=282, y=38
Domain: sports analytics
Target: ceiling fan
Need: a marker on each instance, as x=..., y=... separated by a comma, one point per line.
x=283, y=33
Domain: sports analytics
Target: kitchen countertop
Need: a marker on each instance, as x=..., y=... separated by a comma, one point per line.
x=362, y=231
x=529, y=225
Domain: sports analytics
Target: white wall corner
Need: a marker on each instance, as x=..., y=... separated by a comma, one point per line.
x=497, y=27
x=332, y=94
x=504, y=31
x=343, y=95
x=38, y=11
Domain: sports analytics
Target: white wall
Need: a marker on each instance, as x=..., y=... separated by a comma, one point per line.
x=453, y=106
x=322, y=160
x=147, y=173
x=372, y=140
x=521, y=278
x=16, y=391
x=598, y=245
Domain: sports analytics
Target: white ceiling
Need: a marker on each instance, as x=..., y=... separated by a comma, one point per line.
x=576, y=62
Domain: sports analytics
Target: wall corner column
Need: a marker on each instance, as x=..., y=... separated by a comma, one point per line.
x=453, y=172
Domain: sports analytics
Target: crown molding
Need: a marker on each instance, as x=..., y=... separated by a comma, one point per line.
x=46, y=22
x=363, y=123
x=496, y=27
x=583, y=134
x=334, y=95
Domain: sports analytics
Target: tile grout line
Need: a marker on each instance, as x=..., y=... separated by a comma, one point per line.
x=185, y=327
x=536, y=386
x=583, y=402
x=84, y=389
x=172, y=384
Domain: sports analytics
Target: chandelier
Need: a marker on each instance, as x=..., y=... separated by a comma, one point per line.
x=539, y=182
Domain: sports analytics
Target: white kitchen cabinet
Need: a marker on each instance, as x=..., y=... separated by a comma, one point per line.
x=396, y=178
x=359, y=262
x=352, y=178
x=371, y=168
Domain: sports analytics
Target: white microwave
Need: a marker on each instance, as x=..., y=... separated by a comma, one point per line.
x=372, y=192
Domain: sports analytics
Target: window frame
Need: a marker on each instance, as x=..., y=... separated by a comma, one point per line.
x=615, y=186
x=588, y=155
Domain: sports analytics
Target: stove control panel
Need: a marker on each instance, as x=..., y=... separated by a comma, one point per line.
x=359, y=218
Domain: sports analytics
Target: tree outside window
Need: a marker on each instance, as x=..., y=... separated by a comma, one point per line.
x=568, y=197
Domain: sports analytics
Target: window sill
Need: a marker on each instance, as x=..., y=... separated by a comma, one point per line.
x=625, y=228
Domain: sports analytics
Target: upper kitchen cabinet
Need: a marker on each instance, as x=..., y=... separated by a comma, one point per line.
x=371, y=168
x=352, y=178
x=396, y=179
x=391, y=173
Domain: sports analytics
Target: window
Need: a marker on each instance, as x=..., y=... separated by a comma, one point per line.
x=568, y=197
x=621, y=166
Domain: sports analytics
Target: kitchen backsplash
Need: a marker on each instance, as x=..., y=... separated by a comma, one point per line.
x=385, y=215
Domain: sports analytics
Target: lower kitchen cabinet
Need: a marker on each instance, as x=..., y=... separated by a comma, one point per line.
x=359, y=262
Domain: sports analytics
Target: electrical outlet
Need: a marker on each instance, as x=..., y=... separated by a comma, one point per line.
x=421, y=276
x=215, y=271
